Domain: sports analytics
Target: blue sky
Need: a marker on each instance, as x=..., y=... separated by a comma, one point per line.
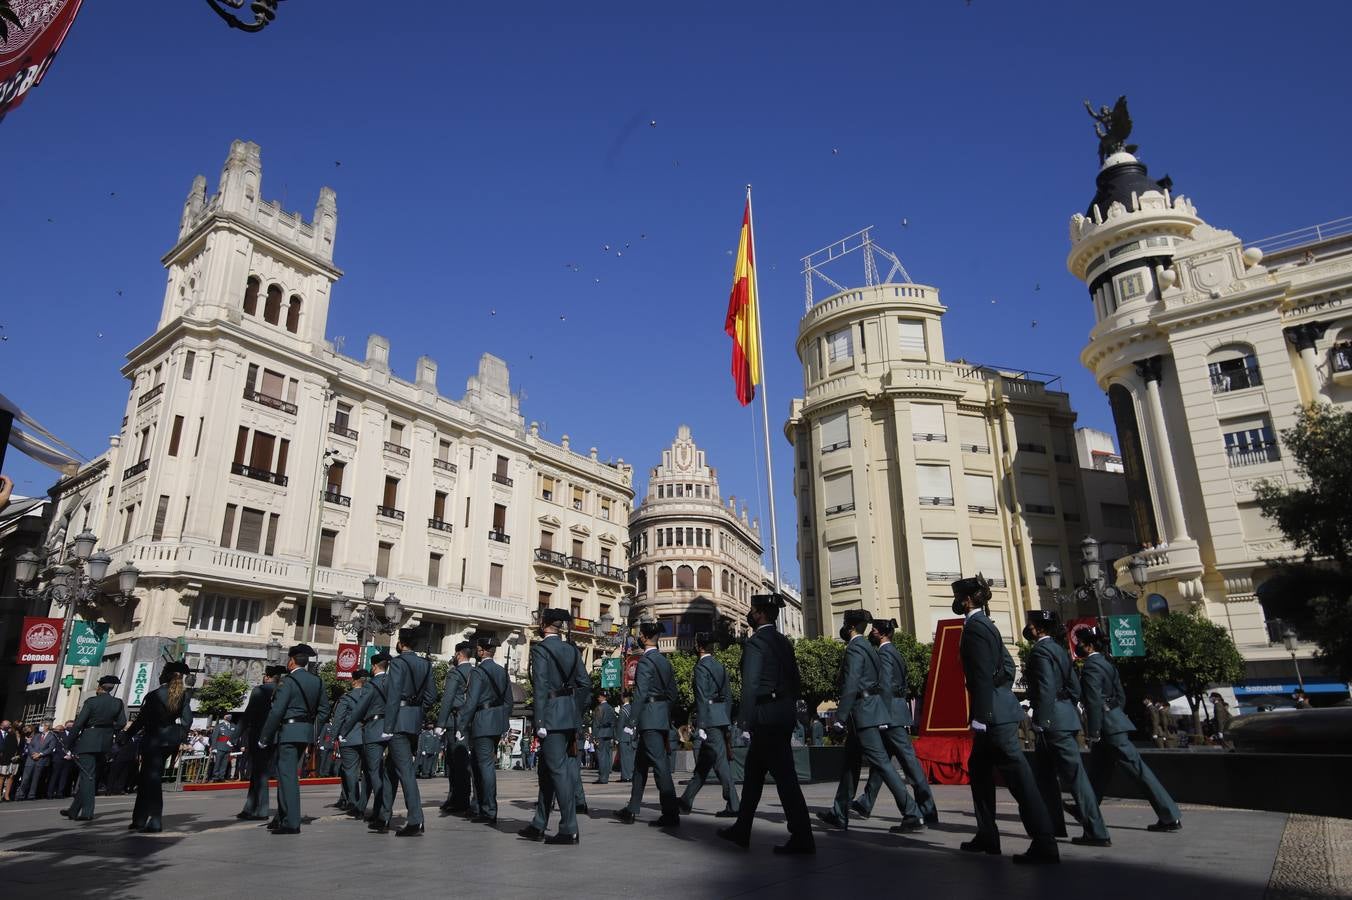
x=485, y=150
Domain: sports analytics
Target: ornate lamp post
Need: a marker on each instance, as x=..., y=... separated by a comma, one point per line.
x=1095, y=588
x=1292, y=642
x=274, y=654
x=356, y=618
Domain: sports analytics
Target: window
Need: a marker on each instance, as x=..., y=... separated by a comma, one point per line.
x=397, y=433
x=844, y=565
x=272, y=307
x=1129, y=287
x=546, y=540
x=605, y=508
x=839, y=493
x=1250, y=445
x=218, y=612
x=575, y=607
x=661, y=537
x=251, y=296
x=336, y=471
x=1233, y=369
x=547, y=487
x=934, y=485
x=250, y=378
x=439, y=506
x=1036, y=493
x=725, y=582
x=189, y=359
x=579, y=552
x=293, y=315
x=342, y=416
x=128, y=517
x=260, y=455
x=605, y=556
x=973, y=434
x=161, y=512
x=690, y=537
x=685, y=578
x=502, y=467
x=1028, y=432
x=274, y=525
x=444, y=450
x=579, y=496
x=1070, y=501
x=912, y=335
x=292, y=388
x=1046, y=555
x=980, y=491
x=990, y=562
x=283, y=448
x=434, y=570
x=327, y=540
x=227, y=527
x=183, y=526
x=494, y=580
x=664, y=581
x=390, y=499
x=197, y=445
x=704, y=578
x=274, y=384
x=250, y=530
x=680, y=537
x=835, y=432
x=467, y=512
x=175, y=435
x=321, y=628
x=499, y=517
x=840, y=345
x=383, y=551
x=927, y=422
x=941, y=559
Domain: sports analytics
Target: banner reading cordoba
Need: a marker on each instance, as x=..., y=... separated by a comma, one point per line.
x=40, y=640
x=28, y=52
x=348, y=657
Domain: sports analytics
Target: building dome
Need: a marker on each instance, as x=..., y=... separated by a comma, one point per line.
x=1122, y=176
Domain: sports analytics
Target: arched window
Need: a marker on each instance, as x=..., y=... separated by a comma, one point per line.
x=685, y=578
x=293, y=315
x=1233, y=368
x=664, y=578
x=272, y=307
x=251, y=296
x=725, y=582
x=704, y=579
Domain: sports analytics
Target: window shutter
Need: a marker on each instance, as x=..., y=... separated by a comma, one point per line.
x=228, y=526
x=912, y=332
x=326, y=541
x=839, y=491
x=1035, y=489
x=941, y=559
x=980, y=491
x=990, y=562
x=835, y=431
x=973, y=434
x=934, y=482
x=494, y=580
x=839, y=345
x=250, y=530
x=1045, y=555
x=844, y=563
x=273, y=383
x=161, y=511
x=270, y=547
x=927, y=419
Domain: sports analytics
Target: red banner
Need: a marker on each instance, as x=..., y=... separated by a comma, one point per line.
x=945, y=707
x=28, y=52
x=40, y=640
x=349, y=660
x=631, y=669
x=1071, y=625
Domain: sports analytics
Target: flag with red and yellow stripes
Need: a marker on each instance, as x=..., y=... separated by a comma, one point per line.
x=743, y=322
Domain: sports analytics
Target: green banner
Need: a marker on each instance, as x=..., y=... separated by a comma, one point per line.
x=1125, y=633
x=87, y=640
x=611, y=669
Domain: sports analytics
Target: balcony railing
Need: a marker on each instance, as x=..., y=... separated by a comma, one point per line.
x=581, y=565
x=502, y=479
x=1237, y=380
x=136, y=469
x=343, y=431
x=439, y=524
x=1032, y=448
x=844, y=582
x=839, y=445
x=151, y=394
x=975, y=448
x=332, y=496
x=844, y=507
x=553, y=557
x=1340, y=357
x=396, y=449
x=1253, y=454
x=942, y=576
x=258, y=474
x=936, y=501
x=271, y=402
x=981, y=510
x=444, y=465
x=501, y=537
x=926, y=436
x=390, y=512
x=611, y=572
x=1040, y=509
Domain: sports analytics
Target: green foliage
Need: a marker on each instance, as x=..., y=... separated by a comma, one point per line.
x=731, y=658
x=439, y=670
x=221, y=693
x=337, y=687
x=917, y=656
x=683, y=664
x=7, y=18
x=1188, y=652
x=819, y=668
x=1023, y=650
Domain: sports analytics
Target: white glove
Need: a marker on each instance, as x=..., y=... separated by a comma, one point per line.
x=459, y=735
x=542, y=732
x=262, y=746
x=746, y=735
x=385, y=736
x=883, y=727
x=629, y=731
x=342, y=739
x=977, y=726
x=702, y=735
x=439, y=731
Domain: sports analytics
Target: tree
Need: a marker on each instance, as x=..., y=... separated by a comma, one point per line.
x=731, y=658
x=220, y=694
x=1189, y=652
x=819, y=668
x=917, y=656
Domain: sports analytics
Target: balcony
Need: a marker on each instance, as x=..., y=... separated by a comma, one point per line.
x=258, y=474
x=1340, y=358
x=579, y=564
x=1039, y=509
x=975, y=448
x=1032, y=448
x=839, y=445
x=390, y=512
x=981, y=510
x=611, y=572
x=396, y=450
x=332, y=496
x=926, y=436
x=444, y=465
x=150, y=394
x=342, y=430
x=502, y=479
x=552, y=557
x=439, y=524
x=1236, y=379
x=136, y=469
x=844, y=582
x=936, y=501
x=1253, y=454
x=270, y=402
x=501, y=537
x=942, y=576
x=844, y=507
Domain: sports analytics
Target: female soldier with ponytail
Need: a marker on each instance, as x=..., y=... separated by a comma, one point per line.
x=164, y=720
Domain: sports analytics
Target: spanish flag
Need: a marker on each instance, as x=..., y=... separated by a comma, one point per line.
x=743, y=322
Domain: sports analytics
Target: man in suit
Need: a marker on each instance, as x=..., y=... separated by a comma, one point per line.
x=221, y=738
x=301, y=701
x=411, y=691
x=603, y=732
x=654, y=691
x=989, y=673
x=458, y=773
x=865, y=709
x=627, y=737
x=347, y=732
x=369, y=712
x=122, y=771
x=770, y=692
x=63, y=761
x=428, y=745
x=1109, y=726
x=483, y=719
x=257, y=803
x=1054, y=691
x=713, y=721
x=38, y=766
x=562, y=692
x=895, y=737
x=101, y=717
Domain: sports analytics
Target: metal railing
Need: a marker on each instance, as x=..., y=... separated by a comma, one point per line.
x=936, y=501
x=444, y=465
x=335, y=497
x=500, y=536
x=258, y=474
x=1040, y=509
x=975, y=448
x=1253, y=454
x=942, y=576
x=981, y=510
x=270, y=401
x=1310, y=234
x=844, y=507
x=151, y=394
x=581, y=565
x=396, y=449
x=1340, y=357
x=553, y=557
x=439, y=524
x=390, y=512
x=502, y=479
x=844, y=582
x=840, y=445
x=136, y=469
x=927, y=436
x=1032, y=448
x=343, y=431
x=1238, y=380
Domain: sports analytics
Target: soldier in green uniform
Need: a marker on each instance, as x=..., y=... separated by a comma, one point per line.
x=257, y=805
x=603, y=732
x=91, y=740
x=562, y=692
x=458, y=801
x=483, y=720
x=348, y=732
x=988, y=671
x=896, y=738
x=628, y=737
x=428, y=745
x=654, y=691
x=1054, y=690
x=299, y=703
x=163, y=722
x=1109, y=726
x=771, y=687
x=411, y=691
x=866, y=709
x=368, y=715
x=713, y=721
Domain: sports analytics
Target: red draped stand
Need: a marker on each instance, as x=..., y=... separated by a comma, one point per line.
x=944, y=741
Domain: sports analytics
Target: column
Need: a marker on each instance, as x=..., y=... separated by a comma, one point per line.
x=1150, y=370
x=1303, y=338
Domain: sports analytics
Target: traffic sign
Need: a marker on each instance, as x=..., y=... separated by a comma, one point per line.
x=1125, y=634
x=612, y=668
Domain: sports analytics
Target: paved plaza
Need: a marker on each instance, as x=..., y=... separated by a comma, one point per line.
x=205, y=852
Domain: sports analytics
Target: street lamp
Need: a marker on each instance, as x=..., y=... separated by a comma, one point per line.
x=356, y=619
x=1090, y=560
x=274, y=654
x=1095, y=590
x=1291, y=641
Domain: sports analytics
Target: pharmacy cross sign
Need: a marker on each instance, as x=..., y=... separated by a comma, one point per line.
x=1126, y=637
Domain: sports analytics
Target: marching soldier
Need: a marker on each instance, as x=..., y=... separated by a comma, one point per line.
x=713, y=721
x=100, y=718
x=562, y=691
x=989, y=673
x=428, y=745
x=348, y=733
x=1054, y=689
x=866, y=708
x=368, y=720
x=770, y=693
x=603, y=730
x=163, y=722
x=628, y=736
x=257, y=803
x=458, y=801
x=1109, y=726
x=300, y=701
x=483, y=719
x=896, y=739
x=411, y=691
x=654, y=690
x=221, y=738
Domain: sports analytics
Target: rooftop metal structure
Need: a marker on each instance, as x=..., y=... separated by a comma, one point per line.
x=860, y=241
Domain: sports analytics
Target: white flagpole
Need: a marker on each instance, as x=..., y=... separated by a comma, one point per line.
x=765, y=405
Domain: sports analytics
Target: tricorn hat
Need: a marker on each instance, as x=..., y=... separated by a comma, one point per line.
x=885, y=626
x=555, y=616
x=485, y=640
x=109, y=679
x=409, y=636
x=1043, y=618
x=857, y=618
x=361, y=673
x=381, y=657
x=464, y=647
x=1090, y=634
x=302, y=650
x=176, y=667
x=274, y=671
x=650, y=629
x=975, y=586
x=773, y=601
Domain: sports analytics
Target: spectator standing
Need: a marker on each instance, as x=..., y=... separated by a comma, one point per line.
x=40, y=751
x=9, y=757
x=63, y=762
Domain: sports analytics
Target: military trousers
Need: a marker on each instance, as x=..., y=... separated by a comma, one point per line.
x=220, y=765
x=865, y=745
x=485, y=752
x=627, y=753
x=770, y=752
x=712, y=753
x=653, y=755
x=460, y=775
x=1059, y=765
x=1113, y=749
x=580, y=800
x=288, y=784
x=998, y=748
x=555, y=768
x=378, y=786
x=149, y=807
x=898, y=744
x=256, y=801
x=82, y=800
x=354, y=787
x=399, y=763
x=605, y=747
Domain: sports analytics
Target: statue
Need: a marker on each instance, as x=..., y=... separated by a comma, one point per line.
x=1113, y=127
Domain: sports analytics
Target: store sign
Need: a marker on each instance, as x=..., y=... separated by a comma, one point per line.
x=349, y=655
x=140, y=682
x=31, y=46
x=1126, y=637
x=40, y=640
x=87, y=641
x=612, y=670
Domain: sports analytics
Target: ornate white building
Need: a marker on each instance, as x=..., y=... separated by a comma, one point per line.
x=250, y=447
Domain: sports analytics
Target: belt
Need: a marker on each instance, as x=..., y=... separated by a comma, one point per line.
x=870, y=692
x=298, y=720
x=372, y=719
x=767, y=698
x=403, y=703
x=483, y=706
x=561, y=692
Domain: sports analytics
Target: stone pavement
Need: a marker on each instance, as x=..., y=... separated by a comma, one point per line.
x=206, y=853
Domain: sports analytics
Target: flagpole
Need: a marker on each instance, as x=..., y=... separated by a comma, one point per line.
x=765, y=405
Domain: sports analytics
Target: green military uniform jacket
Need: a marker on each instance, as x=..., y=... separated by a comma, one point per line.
x=163, y=731
x=770, y=681
x=626, y=720
x=1104, y=698
x=370, y=708
x=101, y=716
x=603, y=722
x=864, y=700
x=562, y=689
x=1053, y=687
x=894, y=678
x=454, y=695
x=255, y=714
x=345, y=722
x=654, y=691
x=299, y=703
x=488, y=704
x=713, y=694
x=411, y=690
x=988, y=671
